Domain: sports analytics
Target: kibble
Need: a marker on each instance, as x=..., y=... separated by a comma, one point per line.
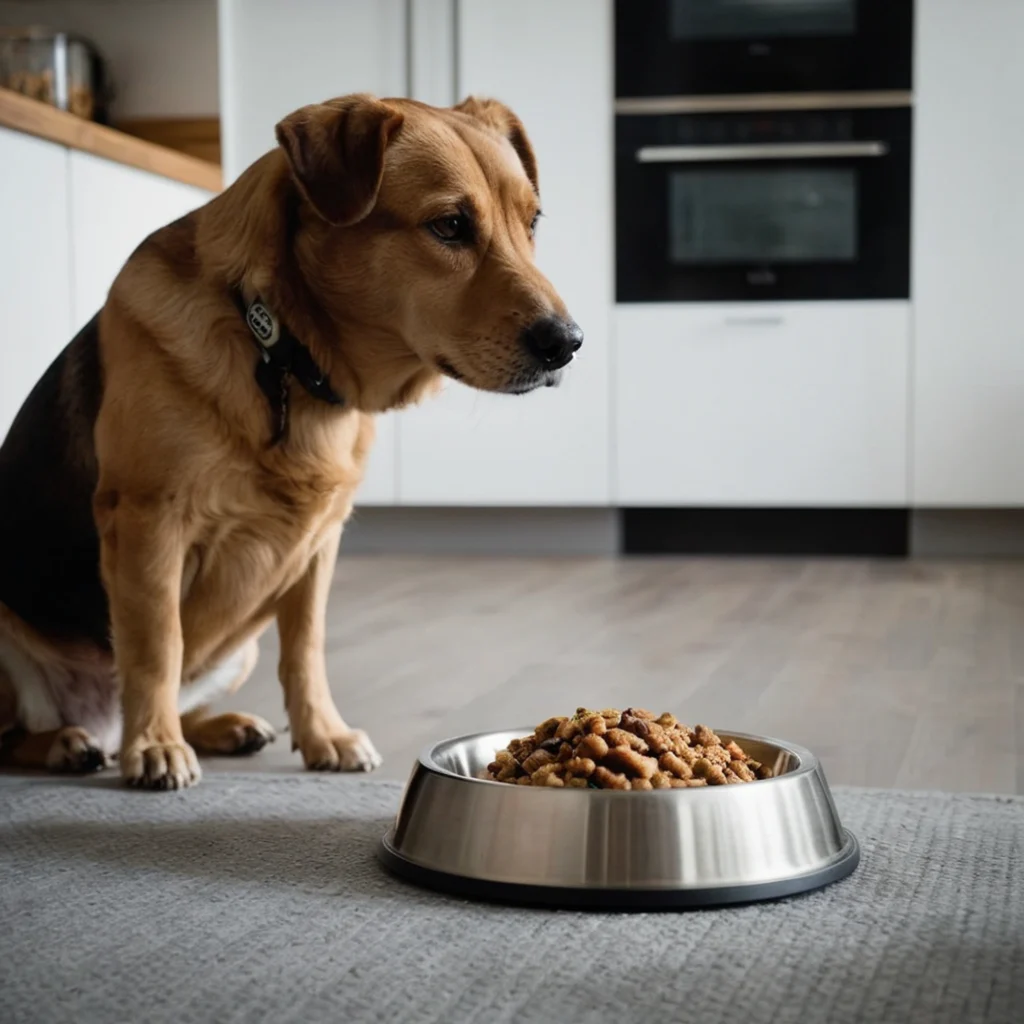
x=629, y=749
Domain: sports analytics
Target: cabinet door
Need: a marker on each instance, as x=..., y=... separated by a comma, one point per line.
x=380, y=483
x=551, y=63
x=968, y=226
x=771, y=404
x=113, y=208
x=35, y=265
x=275, y=58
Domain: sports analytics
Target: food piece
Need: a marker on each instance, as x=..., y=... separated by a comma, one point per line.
x=682, y=749
x=547, y=729
x=504, y=767
x=569, y=729
x=630, y=763
x=621, y=738
x=536, y=760
x=735, y=750
x=705, y=769
x=584, y=766
x=593, y=746
x=610, y=780
x=638, y=713
x=522, y=749
x=675, y=765
x=626, y=750
x=705, y=737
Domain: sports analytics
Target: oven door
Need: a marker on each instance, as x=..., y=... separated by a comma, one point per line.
x=730, y=47
x=806, y=206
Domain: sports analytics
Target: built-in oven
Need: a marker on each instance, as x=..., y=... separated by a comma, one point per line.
x=728, y=47
x=736, y=205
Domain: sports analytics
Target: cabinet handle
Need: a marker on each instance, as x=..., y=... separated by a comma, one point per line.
x=753, y=321
x=768, y=151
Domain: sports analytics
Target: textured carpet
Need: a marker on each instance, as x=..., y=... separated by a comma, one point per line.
x=260, y=899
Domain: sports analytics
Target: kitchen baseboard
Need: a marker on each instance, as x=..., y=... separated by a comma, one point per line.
x=520, y=532
x=879, y=533
x=607, y=532
x=967, y=533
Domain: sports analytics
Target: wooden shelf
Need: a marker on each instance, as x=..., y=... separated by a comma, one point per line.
x=46, y=122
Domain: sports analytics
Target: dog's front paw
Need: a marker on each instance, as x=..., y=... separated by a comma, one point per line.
x=231, y=734
x=160, y=765
x=347, y=751
x=74, y=750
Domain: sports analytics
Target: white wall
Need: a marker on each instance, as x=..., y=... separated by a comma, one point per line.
x=551, y=63
x=276, y=57
x=162, y=54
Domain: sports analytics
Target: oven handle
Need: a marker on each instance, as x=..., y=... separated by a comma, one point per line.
x=766, y=151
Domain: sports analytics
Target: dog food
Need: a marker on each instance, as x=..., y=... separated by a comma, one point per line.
x=39, y=86
x=629, y=749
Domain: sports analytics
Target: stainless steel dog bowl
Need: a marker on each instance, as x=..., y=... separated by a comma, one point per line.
x=603, y=849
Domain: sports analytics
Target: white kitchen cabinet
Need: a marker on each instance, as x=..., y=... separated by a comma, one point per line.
x=433, y=67
x=113, y=208
x=773, y=404
x=968, y=224
x=275, y=58
x=35, y=264
x=380, y=484
x=552, y=64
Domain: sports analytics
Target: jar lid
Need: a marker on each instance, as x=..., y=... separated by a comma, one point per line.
x=40, y=34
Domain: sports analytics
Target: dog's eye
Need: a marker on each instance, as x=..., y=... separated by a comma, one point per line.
x=533, y=223
x=452, y=229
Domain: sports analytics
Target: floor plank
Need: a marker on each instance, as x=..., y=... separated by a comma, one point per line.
x=896, y=673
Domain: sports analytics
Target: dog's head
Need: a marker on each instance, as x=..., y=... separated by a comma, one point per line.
x=422, y=222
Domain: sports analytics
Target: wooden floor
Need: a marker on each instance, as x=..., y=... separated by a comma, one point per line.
x=896, y=674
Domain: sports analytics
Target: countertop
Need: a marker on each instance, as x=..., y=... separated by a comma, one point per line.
x=40, y=119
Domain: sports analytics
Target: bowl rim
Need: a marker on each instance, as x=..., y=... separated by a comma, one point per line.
x=807, y=762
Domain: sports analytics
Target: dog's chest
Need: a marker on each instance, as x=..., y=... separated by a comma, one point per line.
x=259, y=530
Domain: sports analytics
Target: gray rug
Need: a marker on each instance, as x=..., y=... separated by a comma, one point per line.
x=259, y=899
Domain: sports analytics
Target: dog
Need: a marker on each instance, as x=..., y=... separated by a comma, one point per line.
x=180, y=476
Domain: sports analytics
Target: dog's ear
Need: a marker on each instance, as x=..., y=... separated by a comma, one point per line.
x=497, y=116
x=336, y=154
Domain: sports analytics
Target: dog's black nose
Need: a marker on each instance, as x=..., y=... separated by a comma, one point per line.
x=552, y=341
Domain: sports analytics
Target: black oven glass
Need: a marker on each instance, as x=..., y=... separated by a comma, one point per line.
x=736, y=47
x=772, y=205
x=693, y=20
x=764, y=215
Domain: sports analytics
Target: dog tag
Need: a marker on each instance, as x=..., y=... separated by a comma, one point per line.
x=263, y=325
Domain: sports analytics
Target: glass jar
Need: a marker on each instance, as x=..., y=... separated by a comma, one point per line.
x=63, y=70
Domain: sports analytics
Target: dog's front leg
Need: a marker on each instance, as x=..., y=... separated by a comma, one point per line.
x=142, y=554
x=318, y=730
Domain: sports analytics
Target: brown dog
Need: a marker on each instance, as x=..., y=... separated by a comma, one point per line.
x=180, y=475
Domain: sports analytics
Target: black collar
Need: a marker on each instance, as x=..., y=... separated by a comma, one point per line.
x=282, y=356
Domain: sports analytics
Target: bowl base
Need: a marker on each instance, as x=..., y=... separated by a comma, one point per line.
x=634, y=899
